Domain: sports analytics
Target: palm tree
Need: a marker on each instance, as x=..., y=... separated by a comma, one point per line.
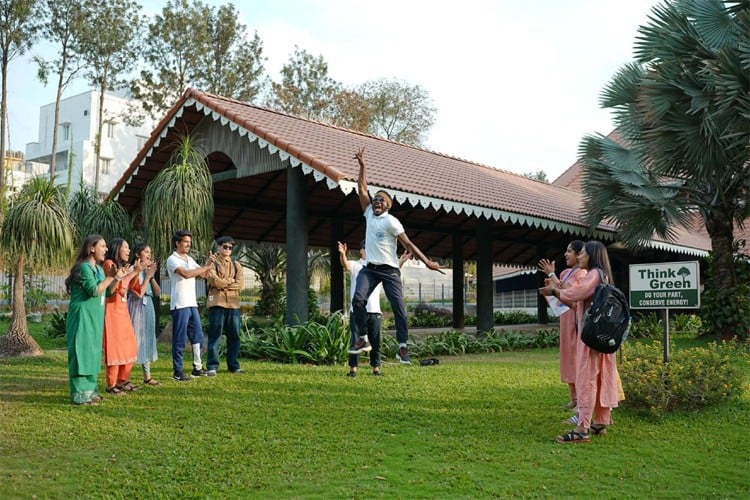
x=180, y=197
x=269, y=264
x=37, y=233
x=93, y=215
x=681, y=112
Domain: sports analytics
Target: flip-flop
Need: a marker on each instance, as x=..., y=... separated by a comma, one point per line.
x=574, y=437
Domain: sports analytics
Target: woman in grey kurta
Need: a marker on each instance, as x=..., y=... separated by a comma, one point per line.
x=85, y=321
x=142, y=313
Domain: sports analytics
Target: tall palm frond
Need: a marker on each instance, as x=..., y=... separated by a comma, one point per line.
x=80, y=203
x=683, y=115
x=180, y=197
x=37, y=225
x=318, y=264
x=36, y=232
x=109, y=219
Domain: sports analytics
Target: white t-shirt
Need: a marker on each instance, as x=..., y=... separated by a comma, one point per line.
x=373, y=301
x=381, y=238
x=182, y=289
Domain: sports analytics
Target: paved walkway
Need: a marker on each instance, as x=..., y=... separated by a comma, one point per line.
x=472, y=330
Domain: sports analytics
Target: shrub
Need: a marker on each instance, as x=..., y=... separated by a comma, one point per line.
x=55, y=327
x=646, y=326
x=514, y=318
x=686, y=324
x=312, y=342
x=693, y=378
x=426, y=316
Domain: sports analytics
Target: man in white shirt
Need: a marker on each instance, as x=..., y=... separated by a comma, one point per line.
x=183, y=304
x=382, y=233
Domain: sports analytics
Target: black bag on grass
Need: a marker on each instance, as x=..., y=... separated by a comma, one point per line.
x=606, y=324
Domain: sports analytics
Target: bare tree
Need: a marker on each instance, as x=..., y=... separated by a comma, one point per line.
x=18, y=30
x=63, y=24
x=110, y=50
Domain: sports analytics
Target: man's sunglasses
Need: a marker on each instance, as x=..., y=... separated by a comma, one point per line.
x=227, y=247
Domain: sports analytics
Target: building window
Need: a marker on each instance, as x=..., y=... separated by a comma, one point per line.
x=110, y=129
x=104, y=165
x=65, y=131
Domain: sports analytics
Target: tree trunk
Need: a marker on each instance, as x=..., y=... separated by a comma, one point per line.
x=721, y=231
x=99, y=126
x=3, y=121
x=56, y=121
x=17, y=341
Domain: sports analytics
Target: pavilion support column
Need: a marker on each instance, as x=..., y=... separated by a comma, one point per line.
x=296, y=247
x=337, y=270
x=485, y=292
x=458, y=281
x=541, y=303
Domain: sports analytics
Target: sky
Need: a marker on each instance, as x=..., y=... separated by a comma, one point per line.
x=516, y=83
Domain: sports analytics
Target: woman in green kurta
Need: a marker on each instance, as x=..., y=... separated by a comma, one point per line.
x=85, y=322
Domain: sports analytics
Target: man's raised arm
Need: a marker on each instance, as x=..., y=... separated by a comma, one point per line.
x=364, y=196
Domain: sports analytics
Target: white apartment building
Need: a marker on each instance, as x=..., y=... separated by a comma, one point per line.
x=76, y=139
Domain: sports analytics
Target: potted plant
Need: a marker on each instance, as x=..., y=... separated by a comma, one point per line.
x=35, y=300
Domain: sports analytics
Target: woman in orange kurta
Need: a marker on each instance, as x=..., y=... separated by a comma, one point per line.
x=597, y=377
x=120, y=347
x=568, y=336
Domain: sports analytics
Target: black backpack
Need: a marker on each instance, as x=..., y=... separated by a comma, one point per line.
x=606, y=324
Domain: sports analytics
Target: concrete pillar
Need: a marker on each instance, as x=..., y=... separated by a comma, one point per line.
x=541, y=303
x=485, y=292
x=458, y=281
x=296, y=247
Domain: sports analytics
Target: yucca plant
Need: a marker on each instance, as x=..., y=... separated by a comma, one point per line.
x=37, y=233
x=180, y=197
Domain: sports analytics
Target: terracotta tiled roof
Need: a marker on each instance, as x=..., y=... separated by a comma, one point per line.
x=399, y=167
x=437, y=195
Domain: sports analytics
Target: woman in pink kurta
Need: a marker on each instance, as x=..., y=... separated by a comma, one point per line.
x=597, y=377
x=568, y=335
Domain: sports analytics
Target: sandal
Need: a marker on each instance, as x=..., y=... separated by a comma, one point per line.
x=152, y=382
x=574, y=437
x=598, y=429
x=570, y=405
x=115, y=391
x=128, y=386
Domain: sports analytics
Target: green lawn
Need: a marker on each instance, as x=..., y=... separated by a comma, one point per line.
x=473, y=426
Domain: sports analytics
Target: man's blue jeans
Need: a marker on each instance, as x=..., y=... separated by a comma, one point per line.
x=186, y=325
x=226, y=320
x=367, y=279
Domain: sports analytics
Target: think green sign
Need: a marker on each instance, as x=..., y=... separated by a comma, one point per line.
x=666, y=285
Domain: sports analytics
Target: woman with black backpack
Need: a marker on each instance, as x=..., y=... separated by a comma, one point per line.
x=597, y=379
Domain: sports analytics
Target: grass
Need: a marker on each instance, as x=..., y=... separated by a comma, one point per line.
x=472, y=426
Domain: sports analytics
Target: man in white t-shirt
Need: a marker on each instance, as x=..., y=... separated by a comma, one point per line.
x=382, y=234
x=374, y=313
x=183, y=304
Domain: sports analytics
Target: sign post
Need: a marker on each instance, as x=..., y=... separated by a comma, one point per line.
x=665, y=285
